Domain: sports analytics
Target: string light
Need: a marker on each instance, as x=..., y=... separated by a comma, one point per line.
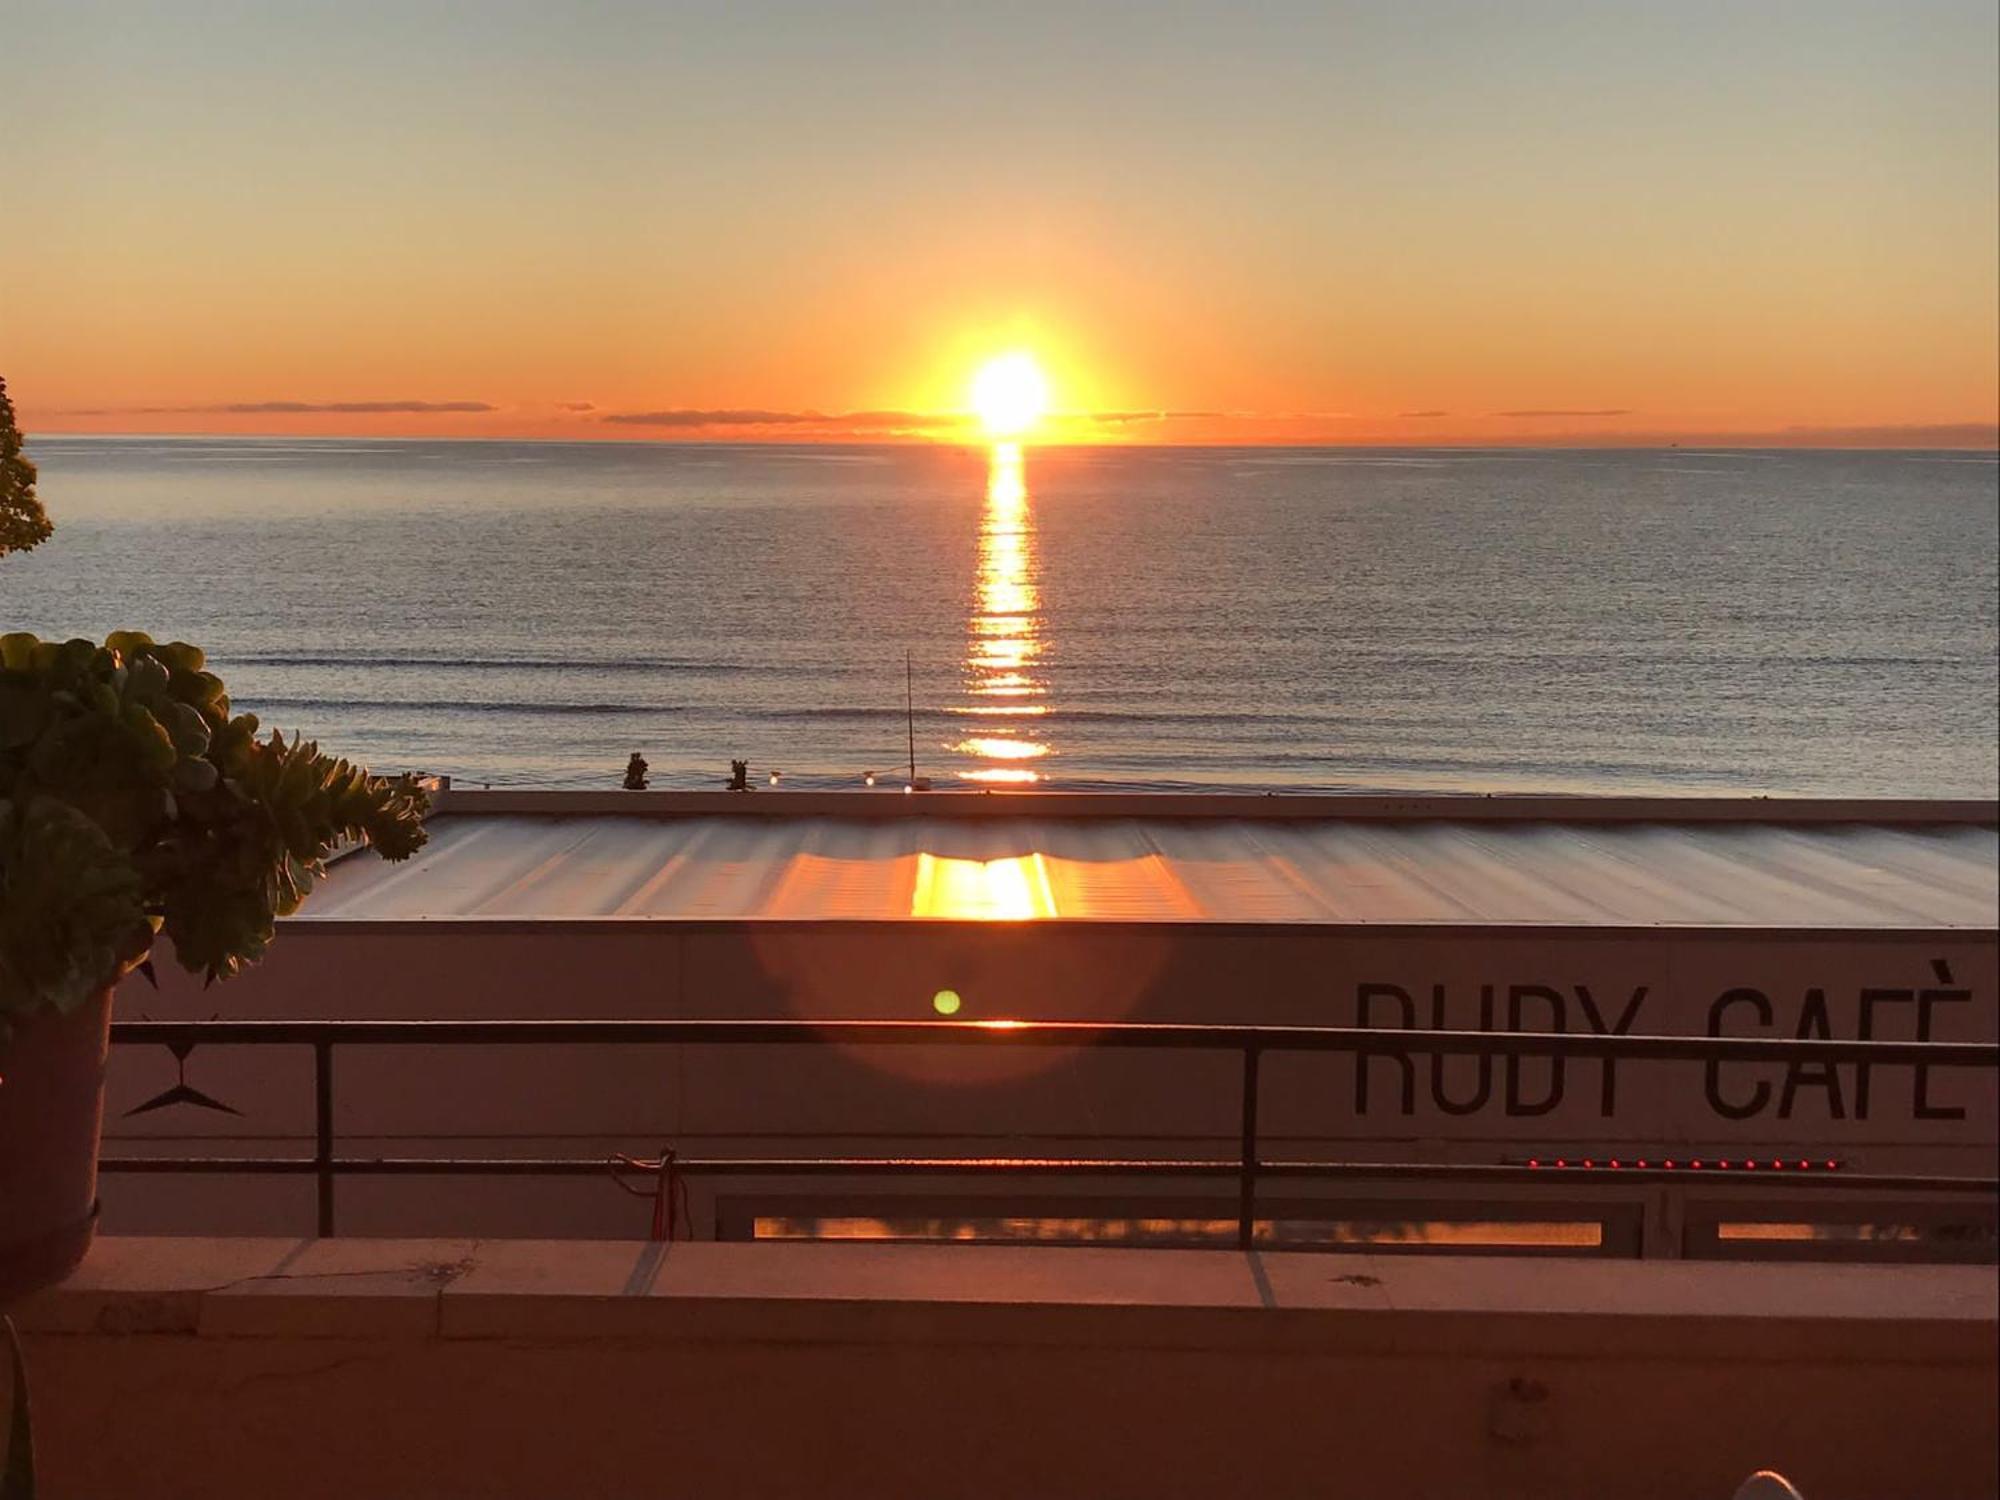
x=1699, y=1164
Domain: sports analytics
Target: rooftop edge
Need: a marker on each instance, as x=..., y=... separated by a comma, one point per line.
x=1269, y=806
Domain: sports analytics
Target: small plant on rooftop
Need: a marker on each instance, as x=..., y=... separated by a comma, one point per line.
x=134, y=804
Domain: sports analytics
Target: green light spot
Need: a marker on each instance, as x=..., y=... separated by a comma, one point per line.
x=946, y=1002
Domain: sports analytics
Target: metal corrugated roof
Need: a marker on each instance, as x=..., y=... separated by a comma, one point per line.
x=1324, y=870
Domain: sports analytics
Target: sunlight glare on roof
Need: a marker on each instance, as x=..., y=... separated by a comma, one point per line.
x=1014, y=889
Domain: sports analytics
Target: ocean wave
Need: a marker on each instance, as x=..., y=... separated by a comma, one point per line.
x=259, y=704
x=483, y=664
x=1253, y=732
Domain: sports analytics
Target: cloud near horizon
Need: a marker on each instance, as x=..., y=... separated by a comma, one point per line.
x=1602, y=411
x=865, y=423
x=1948, y=434
x=686, y=418
x=285, y=408
x=1120, y=418
x=806, y=425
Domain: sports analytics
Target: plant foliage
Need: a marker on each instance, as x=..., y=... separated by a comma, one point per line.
x=133, y=803
x=23, y=522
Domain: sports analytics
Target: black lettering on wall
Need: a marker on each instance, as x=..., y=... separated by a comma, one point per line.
x=1607, y=1104
x=1517, y=1103
x=1814, y=1023
x=1365, y=997
x=1482, y=1094
x=1869, y=1000
x=1760, y=1097
x=1920, y=1089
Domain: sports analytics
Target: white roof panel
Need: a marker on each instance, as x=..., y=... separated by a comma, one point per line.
x=555, y=867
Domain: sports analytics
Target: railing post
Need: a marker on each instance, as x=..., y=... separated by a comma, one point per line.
x=1246, y=1205
x=323, y=1132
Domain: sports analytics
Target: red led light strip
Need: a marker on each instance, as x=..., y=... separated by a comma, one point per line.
x=1693, y=1164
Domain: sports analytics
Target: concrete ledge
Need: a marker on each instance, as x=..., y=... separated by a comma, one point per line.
x=562, y=1367
x=1198, y=1299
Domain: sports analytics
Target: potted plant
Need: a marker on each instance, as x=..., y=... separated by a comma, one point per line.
x=133, y=805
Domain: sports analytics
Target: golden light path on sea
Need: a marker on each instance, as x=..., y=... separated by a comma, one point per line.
x=1004, y=634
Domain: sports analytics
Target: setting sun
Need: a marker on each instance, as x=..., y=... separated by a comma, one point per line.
x=1010, y=394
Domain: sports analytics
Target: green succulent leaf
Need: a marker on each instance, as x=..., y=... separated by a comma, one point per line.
x=71, y=912
x=131, y=803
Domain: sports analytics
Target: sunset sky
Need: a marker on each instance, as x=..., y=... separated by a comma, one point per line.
x=1250, y=222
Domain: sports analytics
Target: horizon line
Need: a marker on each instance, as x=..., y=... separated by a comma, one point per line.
x=1753, y=439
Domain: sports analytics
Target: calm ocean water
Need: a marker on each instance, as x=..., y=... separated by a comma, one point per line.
x=531, y=613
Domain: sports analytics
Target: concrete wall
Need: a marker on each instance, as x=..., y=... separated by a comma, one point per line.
x=1104, y=972
x=455, y=1368
x=806, y=1101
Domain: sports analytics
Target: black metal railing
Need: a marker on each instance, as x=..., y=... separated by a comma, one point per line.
x=1251, y=1043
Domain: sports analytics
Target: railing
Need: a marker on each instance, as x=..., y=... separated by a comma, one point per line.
x=1251, y=1043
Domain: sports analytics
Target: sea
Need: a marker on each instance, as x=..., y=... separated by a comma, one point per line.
x=521, y=614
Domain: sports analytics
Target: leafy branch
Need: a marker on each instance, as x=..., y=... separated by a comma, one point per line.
x=133, y=803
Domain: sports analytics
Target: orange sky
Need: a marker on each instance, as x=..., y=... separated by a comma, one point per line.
x=1568, y=223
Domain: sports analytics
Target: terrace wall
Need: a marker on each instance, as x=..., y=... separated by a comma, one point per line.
x=459, y=1368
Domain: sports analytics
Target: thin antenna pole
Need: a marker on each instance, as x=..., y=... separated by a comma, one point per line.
x=910, y=712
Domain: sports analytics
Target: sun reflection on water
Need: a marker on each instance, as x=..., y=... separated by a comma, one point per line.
x=1004, y=634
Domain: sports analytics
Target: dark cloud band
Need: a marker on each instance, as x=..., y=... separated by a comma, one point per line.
x=1602, y=411
x=286, y=408
x=696, y=418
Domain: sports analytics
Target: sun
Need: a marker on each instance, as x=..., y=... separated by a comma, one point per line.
x=1010, y=394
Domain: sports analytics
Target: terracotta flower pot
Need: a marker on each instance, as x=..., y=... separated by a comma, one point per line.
x=51, y=1106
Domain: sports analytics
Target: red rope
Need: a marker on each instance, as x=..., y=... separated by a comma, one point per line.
x=673, y=1219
